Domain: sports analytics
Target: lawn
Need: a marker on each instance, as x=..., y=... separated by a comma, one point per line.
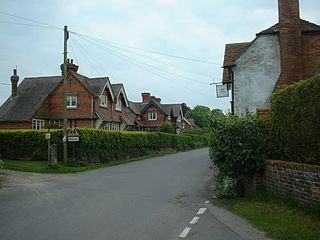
x=279, y=216
x=42, y=166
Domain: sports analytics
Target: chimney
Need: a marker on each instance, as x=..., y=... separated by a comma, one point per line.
x=290, y=38
x=70, y=66
x=14, y=83
x=158, y=100
x=145, y=97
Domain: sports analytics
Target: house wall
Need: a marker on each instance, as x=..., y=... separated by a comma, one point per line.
x=310, y=54
x=161, y=118
x=256, y=74
x=84, y=103
x=15, y=125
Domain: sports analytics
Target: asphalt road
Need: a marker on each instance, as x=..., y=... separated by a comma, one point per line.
x=145, y=200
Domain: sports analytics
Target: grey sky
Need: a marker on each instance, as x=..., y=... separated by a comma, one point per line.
x=193, y=29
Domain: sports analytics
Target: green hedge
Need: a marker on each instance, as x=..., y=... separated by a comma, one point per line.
x=296, y=120
x=95, y=145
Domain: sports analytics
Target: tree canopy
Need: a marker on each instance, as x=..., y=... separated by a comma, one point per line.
x=203, y=115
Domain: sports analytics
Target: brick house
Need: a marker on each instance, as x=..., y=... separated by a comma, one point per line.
x=282, y=54
x=91, y=102
x=149, y=114
x=38, y=102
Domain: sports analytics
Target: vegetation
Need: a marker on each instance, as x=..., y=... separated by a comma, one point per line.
x=278, y=215
x=203, y=116
x=95, y=146
x=167, y=128
x=238, y=148
x=296, y=121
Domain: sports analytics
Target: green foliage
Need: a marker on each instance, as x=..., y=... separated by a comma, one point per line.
x=238, y=146
x=95, y=146
x=167, y=128
x=296, y=121
x=200, y=114
x=225, y=186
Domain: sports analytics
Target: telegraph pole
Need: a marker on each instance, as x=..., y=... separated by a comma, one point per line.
x=65, y=92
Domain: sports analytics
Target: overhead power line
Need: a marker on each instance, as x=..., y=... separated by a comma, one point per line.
x=146, y=50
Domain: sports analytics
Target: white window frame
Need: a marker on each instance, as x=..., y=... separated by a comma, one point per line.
x=54, y=122
x=118, y=105
x=72, y=101
x=169, y=118
x=104, y=101
x=152, y=116
x=38, y=124
x=179, y=119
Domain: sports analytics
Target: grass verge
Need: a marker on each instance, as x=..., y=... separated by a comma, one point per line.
x=279, y=216
x=42, y=166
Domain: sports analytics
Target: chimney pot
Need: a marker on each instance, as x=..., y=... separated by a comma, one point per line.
x=145, y=97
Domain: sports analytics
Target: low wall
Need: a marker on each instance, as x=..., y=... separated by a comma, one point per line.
x=301, y=180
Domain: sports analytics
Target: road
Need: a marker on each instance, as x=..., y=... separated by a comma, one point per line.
x=153, y=199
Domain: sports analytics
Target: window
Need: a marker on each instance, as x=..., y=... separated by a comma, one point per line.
x=152, y=116
x=179, y=119
x=169, y=118
x=112, y=126
x=54, y=122
x=72, y=101
x=118, y=105
x=37, y=123
x=104, y=101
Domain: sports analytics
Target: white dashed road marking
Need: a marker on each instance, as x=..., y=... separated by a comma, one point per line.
x=201, y=211
x=206, y=202
x=185, y=232
x=194, y=220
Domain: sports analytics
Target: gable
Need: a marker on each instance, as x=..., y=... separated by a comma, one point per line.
x=154, y=104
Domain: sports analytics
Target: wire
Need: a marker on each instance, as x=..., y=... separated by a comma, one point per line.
x=140, y=62
x=26, y=24
x=149, y=51
x=145, y=69
x=30, y=20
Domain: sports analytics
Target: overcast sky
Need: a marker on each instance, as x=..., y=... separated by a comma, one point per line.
x=187, y=28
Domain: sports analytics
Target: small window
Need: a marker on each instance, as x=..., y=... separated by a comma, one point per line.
x=37, y=124
x=118, y=105
x=152, y=116
x=104, y=101
x=71, y=101
x=169, y=118
x=179, y=119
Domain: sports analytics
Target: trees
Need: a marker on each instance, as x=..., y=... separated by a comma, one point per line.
x=203, y=116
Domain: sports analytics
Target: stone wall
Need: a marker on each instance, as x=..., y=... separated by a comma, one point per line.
x=301, y=180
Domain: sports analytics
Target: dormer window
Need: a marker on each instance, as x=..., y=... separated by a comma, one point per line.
x=118, y=105
x=169, y=118
x=104, y=101
x=72, y=101
x=179, y=119
x=152, y=116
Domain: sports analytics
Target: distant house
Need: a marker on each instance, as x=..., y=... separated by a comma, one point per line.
x=284, y=53
x=149, y=114
x=91, y=102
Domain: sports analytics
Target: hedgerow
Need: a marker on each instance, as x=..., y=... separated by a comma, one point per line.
x=95, y=145
x=296, y=120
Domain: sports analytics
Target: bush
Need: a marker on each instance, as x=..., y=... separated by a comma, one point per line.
x=296, y=121
x=94, y=146
x=238, y=146
x=167, y=128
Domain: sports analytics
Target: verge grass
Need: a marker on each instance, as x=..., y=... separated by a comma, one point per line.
x=278, y=215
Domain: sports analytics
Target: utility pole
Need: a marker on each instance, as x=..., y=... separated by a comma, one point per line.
x=65, y=92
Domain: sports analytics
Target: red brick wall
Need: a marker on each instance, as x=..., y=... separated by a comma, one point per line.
x=301, y=180
x=290, y=42
x=311, y=54
x=15, y=125
x=160, y=118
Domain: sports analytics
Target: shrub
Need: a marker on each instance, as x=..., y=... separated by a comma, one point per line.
x=296, y=120
x=94, y=146
x=167, y=128
x=238, y=146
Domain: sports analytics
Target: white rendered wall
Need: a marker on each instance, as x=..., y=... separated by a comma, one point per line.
x=256, y=74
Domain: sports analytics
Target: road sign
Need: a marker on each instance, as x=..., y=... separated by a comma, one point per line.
x=73, y=135
x=73, y=138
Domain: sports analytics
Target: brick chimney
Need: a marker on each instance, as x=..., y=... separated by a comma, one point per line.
x=145, y=97
x=14, y=83
x=290, y=41
x=70, y=66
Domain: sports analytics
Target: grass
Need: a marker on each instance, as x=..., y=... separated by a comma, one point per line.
x=42, y=166
x=279, y=216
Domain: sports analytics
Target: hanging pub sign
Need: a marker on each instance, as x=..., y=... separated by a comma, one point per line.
x=222, y=91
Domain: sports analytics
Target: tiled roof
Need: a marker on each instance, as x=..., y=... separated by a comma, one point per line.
x=175, y=108
x=231, y=53
x=96, y=85
x=306, y=27
x=31, y=94
x=116, y=88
